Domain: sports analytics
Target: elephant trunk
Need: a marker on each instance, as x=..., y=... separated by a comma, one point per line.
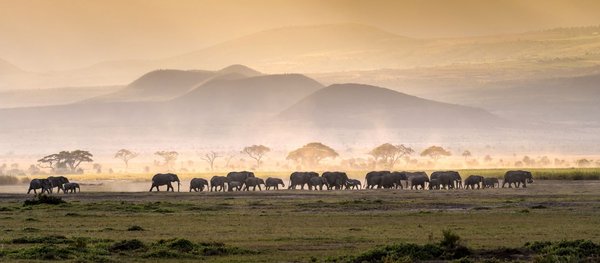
x=178, y=185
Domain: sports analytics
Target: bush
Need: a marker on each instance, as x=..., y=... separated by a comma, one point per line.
x=44, y=252
x=44, y=199
x=52, y=239
x=135, y=228
x=127, y=245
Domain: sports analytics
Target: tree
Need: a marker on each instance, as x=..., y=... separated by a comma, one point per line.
x=97, y=167
x=435, y=152
x=65, y=161
x=210, y=159
x=466, y=154
x=487, y=158
x=311, y=154
x=583, y=162
x=390, y=154
x=256, y=152
x=169, y=158
x=125, y=155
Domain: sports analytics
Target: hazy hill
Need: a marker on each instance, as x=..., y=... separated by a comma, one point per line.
x=362, y=107
x=53, y=96
x=8, y=68
x=260, y=96
x=567, y=100
x=162, y=85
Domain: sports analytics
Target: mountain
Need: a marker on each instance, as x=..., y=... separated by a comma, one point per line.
x=260, y=96
x=162, y=85
x=7, y=68
x=52, y=96
x=357, y=106
x=564, y=100
x=228, y=98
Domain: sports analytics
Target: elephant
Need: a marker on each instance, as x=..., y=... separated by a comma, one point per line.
x=301, y=178
x=43, y=184
x=253, y=182
x=315, y=182
x=434, y=184
x=71, y=188
x=373, y=179
x=517, y=178
x=335, y=180
x=274, y=183
x=57, y=181
x=447, y=179
x=198, y=184
x=235, y=185
x=217, y=183
x=387, y=181
x=490, y=182
x=165, y=179
x=473, y=180
x=239, y=176
x=353, y=184
x=397, y=178
x=416, y=179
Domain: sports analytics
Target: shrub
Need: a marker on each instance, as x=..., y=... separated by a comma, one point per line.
x=52, y=239
x=127, y=245
x=44, y=199
x=135, y=228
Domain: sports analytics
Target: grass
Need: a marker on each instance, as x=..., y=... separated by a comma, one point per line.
x=300, y=225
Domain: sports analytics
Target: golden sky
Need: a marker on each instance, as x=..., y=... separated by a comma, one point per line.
x=62, y=34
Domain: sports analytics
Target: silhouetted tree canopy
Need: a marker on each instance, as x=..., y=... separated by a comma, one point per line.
x=311, y=154
x=169, y=158
x=126, y=155
x=256, y=152
x=65, y=161
x=435, y=152
x=389, y=154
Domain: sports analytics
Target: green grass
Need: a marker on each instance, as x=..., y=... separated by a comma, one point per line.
x=292, y=225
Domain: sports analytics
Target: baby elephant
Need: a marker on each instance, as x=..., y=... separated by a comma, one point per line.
x=353, y=184
x=434, y=184
x=473, y=180
x=254, y=182
x=491, y=183
x=317, y=182
x=274, y=183
x=198, y=184
x=71, y=188
x=234, y=185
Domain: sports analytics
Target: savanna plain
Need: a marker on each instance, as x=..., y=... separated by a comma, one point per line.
x=537, y=223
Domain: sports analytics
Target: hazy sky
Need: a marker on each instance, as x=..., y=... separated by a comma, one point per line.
x=62, y=34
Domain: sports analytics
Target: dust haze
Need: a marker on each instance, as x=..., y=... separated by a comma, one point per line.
x=513, y=86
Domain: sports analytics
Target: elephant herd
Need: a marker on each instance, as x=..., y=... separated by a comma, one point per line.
x=47, y=185
x=246, y=181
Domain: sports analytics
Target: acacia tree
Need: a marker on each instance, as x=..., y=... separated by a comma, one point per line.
x=210, y=158
x=256, y=152
x=435, y=152
x=466, y=154
x=169, y=158
x=311, y=154
x=390, y=154
x=125, y=155
x=65, y=161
